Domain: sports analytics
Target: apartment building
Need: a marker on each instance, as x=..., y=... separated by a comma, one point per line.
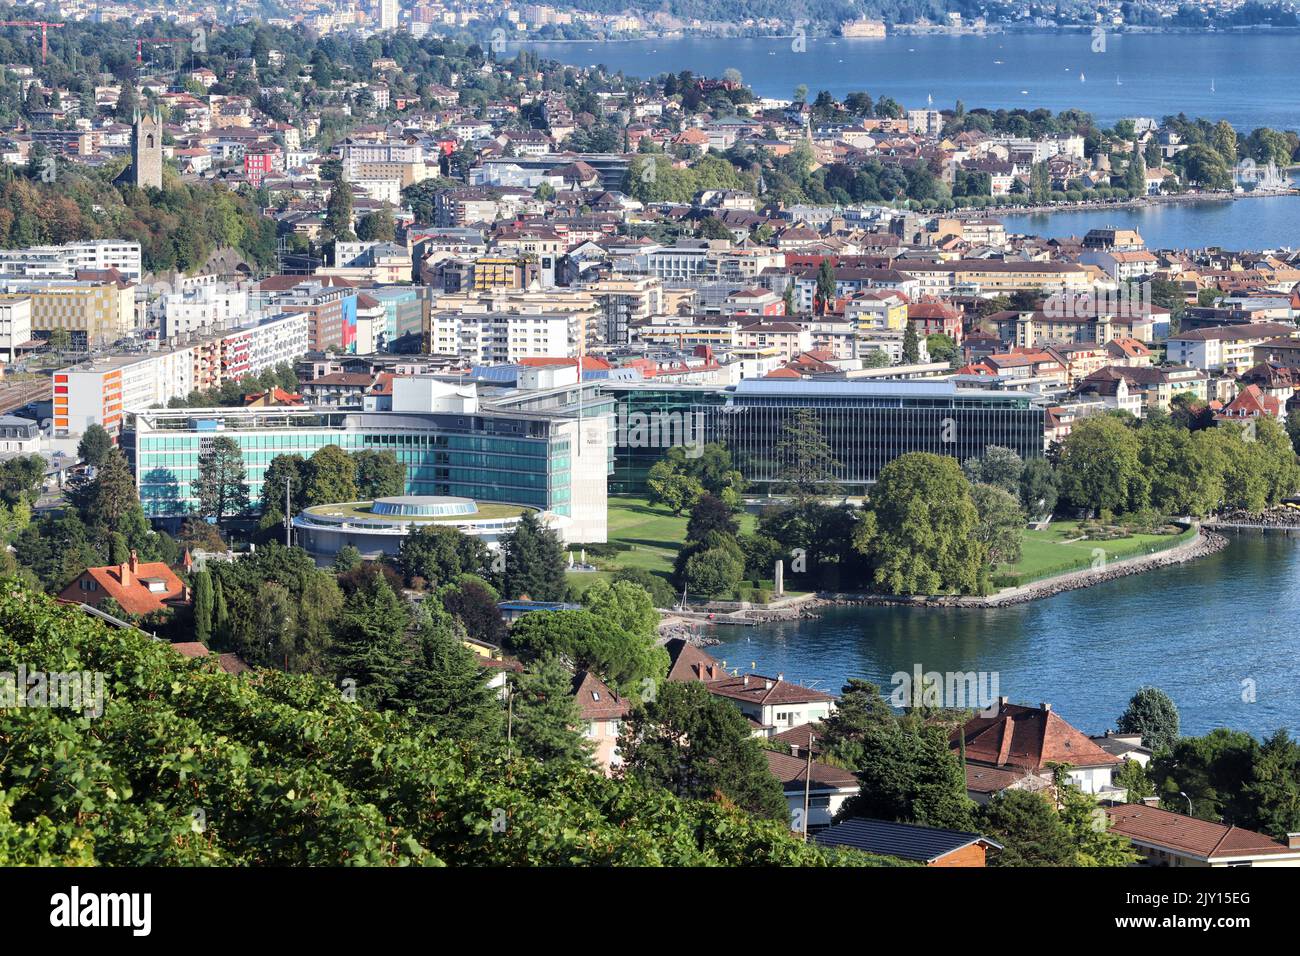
x=104, y=390
x=15, y=327
x=625, y=300
x=65, y=261
x=1225, y=348
x=94, y=313
x=493, y=337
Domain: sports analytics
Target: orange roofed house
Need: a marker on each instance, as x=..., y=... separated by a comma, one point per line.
x=1019, y=746
x=139, y=587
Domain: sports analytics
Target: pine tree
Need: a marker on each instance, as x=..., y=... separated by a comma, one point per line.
x=220, y=614
x=790, y=308
x=222, y=484
x=534, y=562
x=446, y=685
x=545, y=714
x=370, y=647
x=203, y=606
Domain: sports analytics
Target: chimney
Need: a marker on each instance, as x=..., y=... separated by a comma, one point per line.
x=124, y=573
x=1003, y=701
x=1045, y=706
x=1293, y=841
x=780, y=677
x=744, y=681
x=134, y=561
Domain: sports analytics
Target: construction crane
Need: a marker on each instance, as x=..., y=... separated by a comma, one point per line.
x=141, y=41
x=45, y=27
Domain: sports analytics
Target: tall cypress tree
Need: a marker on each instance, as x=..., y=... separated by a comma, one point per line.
x=203, y=606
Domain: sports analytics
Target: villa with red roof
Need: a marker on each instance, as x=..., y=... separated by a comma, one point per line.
x=139, y=587
x=1019, y=742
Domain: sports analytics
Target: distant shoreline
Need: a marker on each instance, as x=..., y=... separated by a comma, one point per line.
x=1144, y=202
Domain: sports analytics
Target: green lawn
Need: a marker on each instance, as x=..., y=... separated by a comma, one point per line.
x=645, y=536
x=1057, y=550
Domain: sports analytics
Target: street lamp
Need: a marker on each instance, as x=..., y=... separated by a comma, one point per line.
x=1189, y=802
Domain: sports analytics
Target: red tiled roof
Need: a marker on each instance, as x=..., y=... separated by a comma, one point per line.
x=1028, y=738
x=125, y=584
x=691, y=663
x=1201, y=838
x=792, y=771
x=595, y=700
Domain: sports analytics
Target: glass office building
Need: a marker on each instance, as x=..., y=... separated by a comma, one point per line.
x=497, y=454
x=868, y=424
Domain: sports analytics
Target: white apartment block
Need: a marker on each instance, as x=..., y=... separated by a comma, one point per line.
x=489, y=338
x=15, y=326
x=63, y=262
x=207, y=308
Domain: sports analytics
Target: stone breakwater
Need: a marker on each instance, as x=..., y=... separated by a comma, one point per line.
x=1205, y=543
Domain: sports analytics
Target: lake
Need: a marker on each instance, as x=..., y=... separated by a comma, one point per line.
x=1248, y=79
x=1202, y=632
x=1266, y=223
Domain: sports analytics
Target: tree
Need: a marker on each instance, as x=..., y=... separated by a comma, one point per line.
x=825, y=295
x=222, y=484
x=377, y=226
x=284, y=468
x=1152, y=714
x=624, y=659
x=911, y=345
x=696, y=745
x=909, y=773
x=379, y=475
x=104, y=502
x=1029, y=829
x=1132, y=777
x=998, y=466
x=660, y=591
x=1000, y=524
x=369, y=647
x=1100, y=468
x=338, y=211
x=1037, y=487
x=545, y=717
x=95, y=444
x=671, y=488
x=446, y=684
x=534, y=561
x=710, y=514
x=941, y=347
x=330, y=477
x=924, y=538
x=806, y=466
x=473, y=602
x=862, y=710
x=203, y=606
x=437, y=554
x=713, y=571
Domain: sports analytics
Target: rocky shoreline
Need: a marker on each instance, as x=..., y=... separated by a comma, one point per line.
x=700, y=630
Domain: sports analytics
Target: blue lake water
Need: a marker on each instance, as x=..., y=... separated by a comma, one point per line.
x=1248, y=79
x=1200, y=632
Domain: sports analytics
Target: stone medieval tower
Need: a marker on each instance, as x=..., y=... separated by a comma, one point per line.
x=146, y=151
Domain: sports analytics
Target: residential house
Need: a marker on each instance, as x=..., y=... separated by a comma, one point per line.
x=1033, y=741
x=139, y=587
x=929, y=846
x=1163, y=838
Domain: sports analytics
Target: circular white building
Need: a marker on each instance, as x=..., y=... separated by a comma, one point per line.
x=376, y=528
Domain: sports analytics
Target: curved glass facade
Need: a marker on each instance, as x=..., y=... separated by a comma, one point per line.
x=423, y=507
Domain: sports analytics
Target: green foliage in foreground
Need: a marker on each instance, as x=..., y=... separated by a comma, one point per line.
x=285, y=771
